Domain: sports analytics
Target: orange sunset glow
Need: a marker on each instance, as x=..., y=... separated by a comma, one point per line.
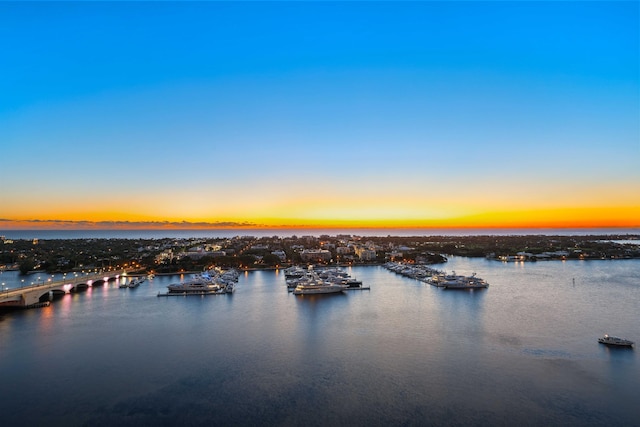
x=610, y=217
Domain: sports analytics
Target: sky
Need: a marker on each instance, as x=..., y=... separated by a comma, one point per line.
x=319, y=114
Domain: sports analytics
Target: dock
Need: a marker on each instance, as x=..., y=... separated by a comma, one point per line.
x=186, y=294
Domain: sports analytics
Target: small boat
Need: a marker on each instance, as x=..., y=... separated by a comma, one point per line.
x=135, y=283
x=615, y=341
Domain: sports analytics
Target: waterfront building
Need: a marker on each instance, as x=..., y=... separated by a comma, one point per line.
x=344, y=250
x=310, y=255
x=366, y=254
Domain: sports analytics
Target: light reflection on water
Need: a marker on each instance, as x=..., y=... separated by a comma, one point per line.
x=523, y=351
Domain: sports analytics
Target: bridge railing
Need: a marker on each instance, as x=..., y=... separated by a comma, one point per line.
x=72, y=280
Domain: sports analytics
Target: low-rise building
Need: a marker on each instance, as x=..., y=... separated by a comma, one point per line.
x=367, y=254
x=315, y=255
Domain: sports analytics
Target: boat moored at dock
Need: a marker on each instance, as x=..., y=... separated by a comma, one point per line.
x=312, y=284
x=206, y=283
x=318, y=288
x=464, y=282
x=320, y=280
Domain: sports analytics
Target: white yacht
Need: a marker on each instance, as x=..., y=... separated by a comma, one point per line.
x=468, y=282
x=454, y=281
x=312, y=284
x=293, y=272
x=196, y=286
x=318, y=288
x=444, y=280
x=615, y=341
x=206, y=283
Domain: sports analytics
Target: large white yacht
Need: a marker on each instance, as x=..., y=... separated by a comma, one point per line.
x=312, y=284
x=205, y=284
x=454, y=281
x=196, y=286
x=318, y=288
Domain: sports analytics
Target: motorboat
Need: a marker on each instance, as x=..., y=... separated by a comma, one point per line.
x=135, y=283
x=615, y=341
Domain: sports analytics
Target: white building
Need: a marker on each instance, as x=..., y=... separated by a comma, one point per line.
x=309, y=255
x=366, y=254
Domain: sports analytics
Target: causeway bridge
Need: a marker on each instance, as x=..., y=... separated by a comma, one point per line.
x=35, y=295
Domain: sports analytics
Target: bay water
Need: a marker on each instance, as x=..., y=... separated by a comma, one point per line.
x=522, y=352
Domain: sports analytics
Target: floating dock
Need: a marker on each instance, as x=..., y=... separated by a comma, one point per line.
x=186, y=294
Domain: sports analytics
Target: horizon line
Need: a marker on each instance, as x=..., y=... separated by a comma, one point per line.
x=302, y=227
x=455, y=224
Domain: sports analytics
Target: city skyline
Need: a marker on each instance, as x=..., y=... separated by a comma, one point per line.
x=314, y=114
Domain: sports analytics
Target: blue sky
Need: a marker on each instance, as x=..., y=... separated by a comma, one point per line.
x=379, y=110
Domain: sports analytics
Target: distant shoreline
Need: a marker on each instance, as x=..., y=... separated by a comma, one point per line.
x=23, y=234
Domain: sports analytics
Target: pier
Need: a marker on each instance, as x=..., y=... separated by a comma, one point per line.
x=35, y=295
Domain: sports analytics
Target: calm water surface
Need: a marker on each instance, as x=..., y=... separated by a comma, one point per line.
x=523, y=352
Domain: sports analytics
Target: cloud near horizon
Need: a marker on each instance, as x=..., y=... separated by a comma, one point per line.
x=82, y=224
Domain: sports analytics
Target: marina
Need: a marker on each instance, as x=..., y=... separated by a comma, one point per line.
x=437, y=278
x=316, y=280
x=471, y=165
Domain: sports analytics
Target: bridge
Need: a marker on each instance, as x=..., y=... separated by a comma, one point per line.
x=34, y=295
